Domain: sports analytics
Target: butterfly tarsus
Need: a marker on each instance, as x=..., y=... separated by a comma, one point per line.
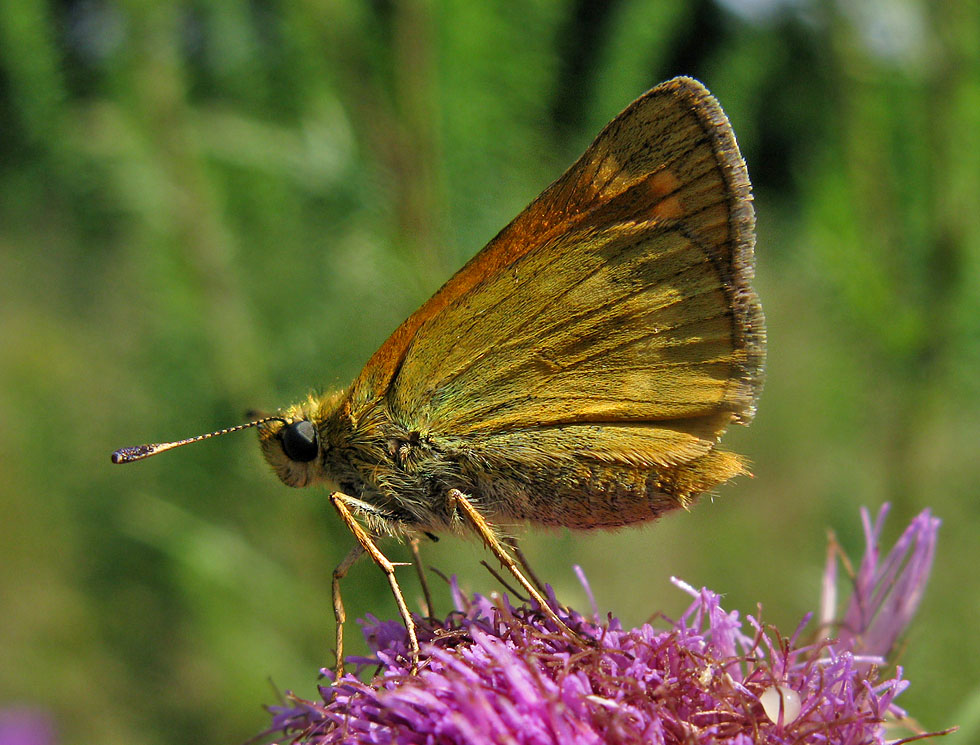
x=338, y=604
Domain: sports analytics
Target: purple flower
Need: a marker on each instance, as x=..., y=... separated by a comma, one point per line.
x=886, y=593
x=26, y=726
x=495, y=673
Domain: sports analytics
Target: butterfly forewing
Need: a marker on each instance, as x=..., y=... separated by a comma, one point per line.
x=620, y=296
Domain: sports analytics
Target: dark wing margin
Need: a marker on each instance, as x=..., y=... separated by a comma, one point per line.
x=750, y=320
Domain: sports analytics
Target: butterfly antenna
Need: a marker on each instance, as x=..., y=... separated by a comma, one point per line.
x=139, y=452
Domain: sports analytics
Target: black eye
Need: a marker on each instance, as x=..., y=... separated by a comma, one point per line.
x=299, y=441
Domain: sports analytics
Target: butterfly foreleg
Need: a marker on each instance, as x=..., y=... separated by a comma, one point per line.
x=338, y=604
x=340, y=502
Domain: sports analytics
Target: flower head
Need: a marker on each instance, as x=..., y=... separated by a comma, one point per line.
x=496, y=673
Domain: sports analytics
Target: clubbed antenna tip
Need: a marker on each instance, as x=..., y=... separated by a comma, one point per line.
x=139, y=452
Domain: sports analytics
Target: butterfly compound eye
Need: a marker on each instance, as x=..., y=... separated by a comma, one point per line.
x=299, y=441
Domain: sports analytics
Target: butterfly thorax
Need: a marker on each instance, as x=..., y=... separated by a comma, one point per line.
x=398, y=474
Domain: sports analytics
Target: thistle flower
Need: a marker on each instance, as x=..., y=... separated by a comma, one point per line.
x=495, y=673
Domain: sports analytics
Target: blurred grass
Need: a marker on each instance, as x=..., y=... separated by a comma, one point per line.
x=207, y=207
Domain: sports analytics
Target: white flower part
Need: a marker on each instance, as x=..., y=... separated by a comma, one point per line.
x=773, y=696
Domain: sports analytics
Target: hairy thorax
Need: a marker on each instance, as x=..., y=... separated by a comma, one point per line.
x=399, y=476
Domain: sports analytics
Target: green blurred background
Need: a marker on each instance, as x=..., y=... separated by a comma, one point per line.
x=210, y=206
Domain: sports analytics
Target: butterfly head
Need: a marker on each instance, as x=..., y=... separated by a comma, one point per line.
x=293, y=443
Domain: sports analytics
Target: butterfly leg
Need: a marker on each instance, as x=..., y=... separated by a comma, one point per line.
x=339, y=501
x=486, y=532
x=413, y=544
x=338, y=604
x=515, y=547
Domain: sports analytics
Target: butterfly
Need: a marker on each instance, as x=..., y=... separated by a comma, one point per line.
x=579, y=371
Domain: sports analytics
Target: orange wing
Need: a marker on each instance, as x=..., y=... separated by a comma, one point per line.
x=620, y=294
